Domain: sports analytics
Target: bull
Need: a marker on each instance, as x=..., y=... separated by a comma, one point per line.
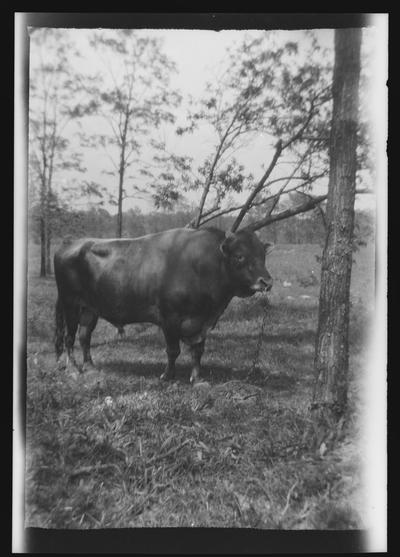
x=181, y=280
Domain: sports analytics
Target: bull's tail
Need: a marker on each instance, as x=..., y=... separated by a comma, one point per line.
x=60, y=329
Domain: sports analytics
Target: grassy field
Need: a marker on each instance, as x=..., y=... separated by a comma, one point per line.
x=122, y=449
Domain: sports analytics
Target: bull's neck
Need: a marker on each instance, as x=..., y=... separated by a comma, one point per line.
x=227, y=285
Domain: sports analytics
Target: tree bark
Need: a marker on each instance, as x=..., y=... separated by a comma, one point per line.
x=43, y=244
x=332, y=351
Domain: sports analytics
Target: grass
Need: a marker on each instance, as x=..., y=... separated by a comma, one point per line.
x=121, y=449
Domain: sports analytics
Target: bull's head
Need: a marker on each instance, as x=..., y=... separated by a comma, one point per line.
x=244, y=255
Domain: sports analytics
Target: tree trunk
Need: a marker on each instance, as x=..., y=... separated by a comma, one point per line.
x=48, y=250
x=43, y=228
x=43, y=244
x=49, y=219
x=120, y=192
x=47, y=224
x=332, y=354
x=122, y=168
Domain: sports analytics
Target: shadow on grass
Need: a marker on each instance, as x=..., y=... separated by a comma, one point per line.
x=283, y=309
x=143, y=369
x=281, y=382
x=307, y=336
x=210, y=372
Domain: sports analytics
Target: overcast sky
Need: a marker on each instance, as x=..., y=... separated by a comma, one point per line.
x=197, y=54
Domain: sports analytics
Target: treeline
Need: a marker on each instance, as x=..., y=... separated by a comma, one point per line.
x=99, y=223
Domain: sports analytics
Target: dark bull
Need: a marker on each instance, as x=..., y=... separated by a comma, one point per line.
x=181, y=280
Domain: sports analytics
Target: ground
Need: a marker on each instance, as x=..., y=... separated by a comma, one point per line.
x=122, y=449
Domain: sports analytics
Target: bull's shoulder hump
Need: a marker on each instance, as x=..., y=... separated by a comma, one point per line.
x=205, y=239
x=73, y=248
x=110, y=247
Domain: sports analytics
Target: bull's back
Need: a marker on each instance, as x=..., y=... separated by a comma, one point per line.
x=123, y=280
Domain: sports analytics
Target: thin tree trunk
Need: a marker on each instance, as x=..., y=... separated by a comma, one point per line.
x=42, y=247
x=120, y=192
x=49, y=195
x=122, y=166
x=47, y=221
x=46, y=240
x=43, y=227
x=332, y=351
x=48, y=250
x=43, y=195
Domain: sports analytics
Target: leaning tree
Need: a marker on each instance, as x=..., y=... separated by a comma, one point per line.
x=278, y=90
x=267, y=92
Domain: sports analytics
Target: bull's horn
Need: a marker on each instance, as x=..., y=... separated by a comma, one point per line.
x=248, y=227
x=268, y=247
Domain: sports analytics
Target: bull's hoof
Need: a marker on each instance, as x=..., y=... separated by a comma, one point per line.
x=93, y=376
x=72, y=372
x=69, y=368
x=61, y=364
x=89, y=368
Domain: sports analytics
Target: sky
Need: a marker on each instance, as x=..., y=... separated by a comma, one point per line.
x=198, y=54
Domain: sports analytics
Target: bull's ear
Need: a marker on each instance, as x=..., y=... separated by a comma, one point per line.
x=268, y=247
x=226, y=244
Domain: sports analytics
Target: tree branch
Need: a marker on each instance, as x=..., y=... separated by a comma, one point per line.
x=211, y=173
x=269, y=219
x=259, y=187
x=302, y=129
x=255, y=203
x=278, y=150
x=292, y=177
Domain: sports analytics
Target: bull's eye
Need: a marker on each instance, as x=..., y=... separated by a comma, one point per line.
x=239, y=259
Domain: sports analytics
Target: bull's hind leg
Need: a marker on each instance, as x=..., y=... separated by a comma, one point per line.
x=196, y=351
x=71, y=314
x=173, y=351
x=87, y=324
x=59, y=336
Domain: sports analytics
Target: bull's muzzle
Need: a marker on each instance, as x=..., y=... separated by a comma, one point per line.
x=263, y=284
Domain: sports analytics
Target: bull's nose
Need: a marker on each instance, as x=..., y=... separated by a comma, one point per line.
x=266, y=284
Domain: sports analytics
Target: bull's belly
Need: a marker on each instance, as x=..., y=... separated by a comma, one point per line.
x=190, y=323
x=126, y=317
x=118, y=322
x=121, y=312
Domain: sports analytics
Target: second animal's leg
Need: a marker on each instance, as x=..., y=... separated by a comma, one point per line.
x=196, y=351
x=173, y=351
x=87, y=324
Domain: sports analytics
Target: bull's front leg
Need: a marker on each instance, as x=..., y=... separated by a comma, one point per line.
x=196, y=352
x=173, y=351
